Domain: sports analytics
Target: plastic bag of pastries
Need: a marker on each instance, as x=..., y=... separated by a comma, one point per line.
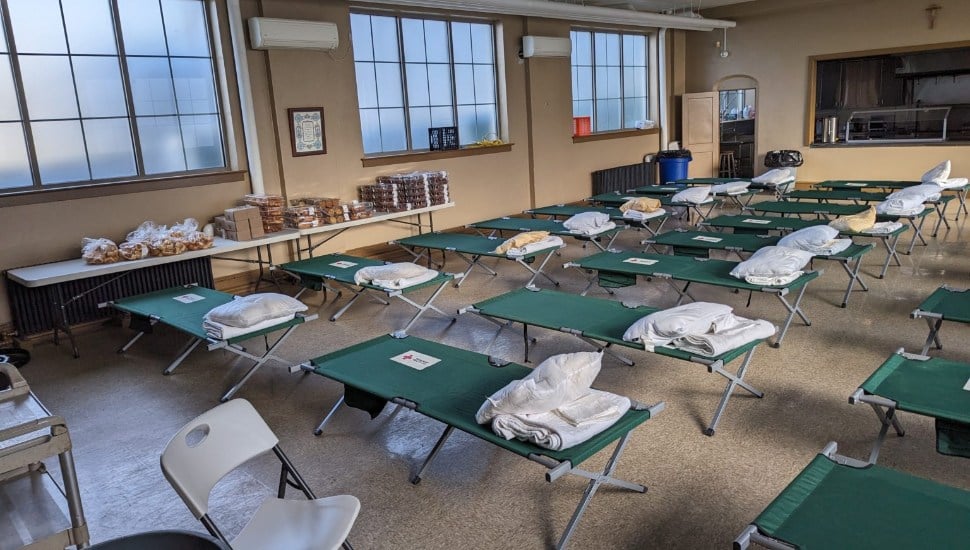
x=99, y=251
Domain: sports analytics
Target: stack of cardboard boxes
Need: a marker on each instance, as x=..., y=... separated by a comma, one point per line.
x=242, y=223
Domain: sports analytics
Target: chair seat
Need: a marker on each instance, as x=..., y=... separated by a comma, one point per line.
x=318, y=524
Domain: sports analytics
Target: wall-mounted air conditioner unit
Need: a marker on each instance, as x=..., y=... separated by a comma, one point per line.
x=267, y=34
x=545, y=46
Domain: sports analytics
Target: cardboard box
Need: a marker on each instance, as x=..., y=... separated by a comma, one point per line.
x=242, y=213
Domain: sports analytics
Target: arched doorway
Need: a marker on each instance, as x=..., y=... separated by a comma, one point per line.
x=738, y=110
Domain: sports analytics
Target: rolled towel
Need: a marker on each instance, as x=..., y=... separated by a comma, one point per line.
x=856, y=223
x=772, y=261
x=711, y=344
x=695, y=195
x=586, y=221
x=521, y=240
x=549, y=242
x=391, y=272
x=641, y=204
x=661, y=327
x=775, y=176
x=938, y=173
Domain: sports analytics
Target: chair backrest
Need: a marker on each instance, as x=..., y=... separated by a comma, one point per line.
x=212, y=445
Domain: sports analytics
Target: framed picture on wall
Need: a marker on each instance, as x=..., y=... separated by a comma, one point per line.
x=307, y=131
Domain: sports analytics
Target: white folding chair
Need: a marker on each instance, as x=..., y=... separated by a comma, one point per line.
x=222, y=439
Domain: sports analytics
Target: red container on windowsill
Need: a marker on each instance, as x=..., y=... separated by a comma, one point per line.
x=581, y=126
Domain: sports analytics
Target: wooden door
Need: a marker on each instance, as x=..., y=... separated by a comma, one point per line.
x=700, y=133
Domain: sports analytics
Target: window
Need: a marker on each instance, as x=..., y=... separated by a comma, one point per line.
x=610, y=79
x=101, y=90
x=415, y=74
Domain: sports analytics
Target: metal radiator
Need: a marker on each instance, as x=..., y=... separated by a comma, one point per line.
x=34, y=311
x=624, y=178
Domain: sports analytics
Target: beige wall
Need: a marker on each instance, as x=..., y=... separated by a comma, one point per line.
x=540, y=113
x=772, y=44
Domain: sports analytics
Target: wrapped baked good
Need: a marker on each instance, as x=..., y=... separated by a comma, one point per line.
x=132, y=250
x=99, y=251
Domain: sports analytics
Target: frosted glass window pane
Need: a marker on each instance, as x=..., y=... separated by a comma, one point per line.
x=366, y=85
x=48, y=86
x=151, y=86
x=370, y=129
x=384, y=33
x=613, y=49
x=99, y=88
x=467, y=124
x=185, y=27
x=60, y=151
x=203, y=141
x=8, y=94
x=613, y=82
x=393, y=132
x=461, y=40
x=14, y=169
x=583, y=108
x=161, y=144
x=484, y=84
x=194, y=87
x=583, y=48
x=442, y=116
x=482, y=43
x=417, y=84
x=141, y=27
x=37, y=26
x=464, y=84
x=420, y=122
x=486, y=123
x=599, y=48
x=436, y=41
x=360, y=36
x=584, y=83
x=89, y=27
x=412, y=33
x=110, y=148
x=439, y=84
x=389, y=92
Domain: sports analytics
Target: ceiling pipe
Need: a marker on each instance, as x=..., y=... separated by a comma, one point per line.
x=572, y=12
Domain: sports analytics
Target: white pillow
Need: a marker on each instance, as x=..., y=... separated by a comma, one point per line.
x=586, y=221
x=389, y=272
x=697, y=194
x=772, y=261
x=816, y=235
x=246, y=311
x=558, y=380
x=661, y=327
x=775, y=176
x=938, y=173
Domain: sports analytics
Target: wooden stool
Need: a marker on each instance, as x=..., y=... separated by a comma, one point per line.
x=728, y=167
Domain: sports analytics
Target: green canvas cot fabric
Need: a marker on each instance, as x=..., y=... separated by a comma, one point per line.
x=469, y=244
x=187, y=317
x=718, y=241
x=568, y=210
x=786, y=207
x=451, y=390
x=933, y=387
x=761, y=223
x=830, y=505
x=597, y=318
x=952, y=303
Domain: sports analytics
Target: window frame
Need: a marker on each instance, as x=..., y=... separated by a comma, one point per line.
x=141, y=181
x=496, y=36
x=650, y=71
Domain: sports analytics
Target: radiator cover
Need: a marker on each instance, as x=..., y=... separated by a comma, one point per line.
x=33, y=308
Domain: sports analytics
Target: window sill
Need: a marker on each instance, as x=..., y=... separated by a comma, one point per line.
x=88, y=191
x=398, y=158
x=616, y=134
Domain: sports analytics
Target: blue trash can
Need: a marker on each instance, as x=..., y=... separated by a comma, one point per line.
x=673, y=165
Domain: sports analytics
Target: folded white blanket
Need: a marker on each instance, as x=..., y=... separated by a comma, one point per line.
x=772, y=261
x=551, y=241
x=641, y=216
x=952, y=183
x=883, y=228
x=389, y=272
x=662, y=327
x=741, y=332
x=772, y=280
x=730, y=187
x=696, y=195
x=397, y=284
x=552, y=430
x=938, y=173
x=586, y=221
x=775, y=176
x=591, y=231
x=219, y=331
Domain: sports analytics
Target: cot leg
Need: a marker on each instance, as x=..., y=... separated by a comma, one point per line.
x=260, y=361
x=538, y=271
x=595, y=480
x=319, y=429
x=792, y=311
x=734, y=380
x=194, y=343
x=933, y=336
x=416, y=478
x=853, y=278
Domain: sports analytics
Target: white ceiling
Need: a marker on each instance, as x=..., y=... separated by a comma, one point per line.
x=658, y=6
